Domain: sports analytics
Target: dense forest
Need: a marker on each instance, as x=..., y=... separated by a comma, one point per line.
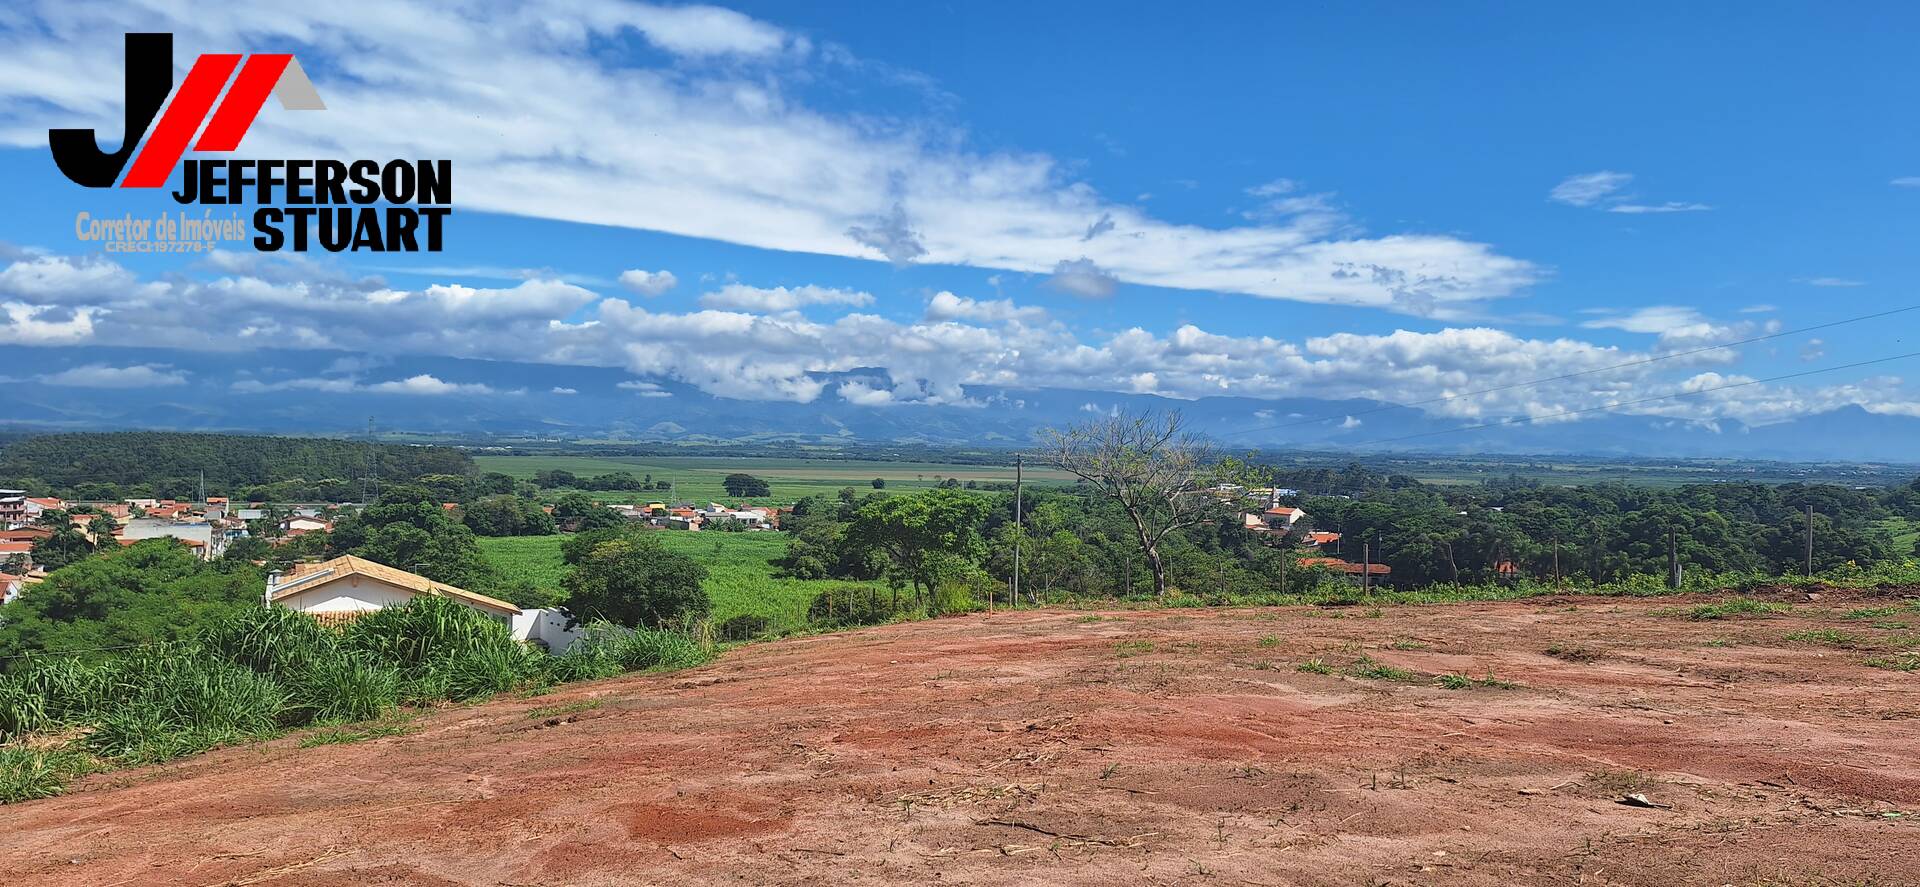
x=162, y=464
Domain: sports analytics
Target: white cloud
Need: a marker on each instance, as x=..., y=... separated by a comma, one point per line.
x=778, y=354
x=1350, y=422
x=723, y=143
x=648, y=283
x=426, y=384
x=1081, y=277
x=644, y=389
x=947, y=306
x=1589, y=188
x=1907, y=182
x=1831, y=281
x=740, y=297
x=559, y=390
x=99, y=375
x=24, y=324
x=1671, y=206
x=1606, y=190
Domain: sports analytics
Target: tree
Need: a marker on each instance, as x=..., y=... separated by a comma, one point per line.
x=631, y=579
x=1147, y=465
x=924, y=537
x=879, y=483
x=408, y=529
x=152, y=591
x=507, y=516
x=65, y=546
x=578, y=513
x=745, y=485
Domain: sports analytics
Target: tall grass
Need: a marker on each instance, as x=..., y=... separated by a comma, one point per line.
x=267, y=670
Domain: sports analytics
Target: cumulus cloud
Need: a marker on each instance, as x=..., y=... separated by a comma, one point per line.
x=758, y=349
x=648, y=283
x=1081, y=277
x=718, y=139
x=25, y=324
x=100, y=375
x=426, y=384
x=740, y=297
x=559, y=390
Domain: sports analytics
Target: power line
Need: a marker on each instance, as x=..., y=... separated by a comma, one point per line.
x=1561, y=378
x=1517, y=420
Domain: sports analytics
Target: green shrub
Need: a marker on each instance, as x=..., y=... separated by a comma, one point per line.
x=482, y=671
x=426, y=629
x=179, y=701
x=271, y=640
x=338, y=687
x=29, y=773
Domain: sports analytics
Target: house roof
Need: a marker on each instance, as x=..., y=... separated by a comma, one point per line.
x=347, y=565
x=1283, y=511
x=1346, y=566
x=15, y=547
x=1320, y=537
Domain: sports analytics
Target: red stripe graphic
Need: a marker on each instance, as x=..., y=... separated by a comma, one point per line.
x=244, y=99
x=154, y=165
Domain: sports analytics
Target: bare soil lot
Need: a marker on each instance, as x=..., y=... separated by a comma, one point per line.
x=1162, y=747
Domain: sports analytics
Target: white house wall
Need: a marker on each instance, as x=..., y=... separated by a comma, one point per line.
x=348, y=595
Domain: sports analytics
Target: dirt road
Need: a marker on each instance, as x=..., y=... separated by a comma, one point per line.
x=1155, y=747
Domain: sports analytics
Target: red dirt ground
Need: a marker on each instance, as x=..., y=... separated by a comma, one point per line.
x=1057, y=747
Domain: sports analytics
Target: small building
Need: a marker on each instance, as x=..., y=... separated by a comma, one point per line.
x=197, y=535
x=347, y=587
x=1355, y=573
x=300, y=523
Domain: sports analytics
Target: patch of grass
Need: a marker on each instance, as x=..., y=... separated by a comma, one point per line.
x=1366, y=667
x=1132, y=648
x=1896, y=662
x=1407, y=644
x=1827, y=637
x=1314, y=666
x=1890, y=625
x=1608, y=781
x=1467, y=682
x=1090, y=617
x=1870, y=613
x=1721, y=642
x=343, y=735
x=1729, y=609
x=30, y=773
x=1268, y=642
x=565, y=708
x=1573, y=653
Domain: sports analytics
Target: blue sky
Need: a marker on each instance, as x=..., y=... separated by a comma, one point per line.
x=1268, y=200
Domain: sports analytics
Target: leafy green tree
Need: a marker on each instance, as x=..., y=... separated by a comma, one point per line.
x=493, y=483
x=65, y=546
x=507, y=516
x=151, y=591
x=745, y=485
x=924, y=537
x=408, y=529
x=631, y=579
x=578, y=513
x=555, y=478
x=879, y=483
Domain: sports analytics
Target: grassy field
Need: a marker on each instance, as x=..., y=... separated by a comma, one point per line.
x=740, y=576
x=1905, y=533
x=698, y=478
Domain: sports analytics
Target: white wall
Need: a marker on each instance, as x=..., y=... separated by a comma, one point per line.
x=549, y=626
x=352, y=594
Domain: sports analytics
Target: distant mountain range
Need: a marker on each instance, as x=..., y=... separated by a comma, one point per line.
x=328, y=393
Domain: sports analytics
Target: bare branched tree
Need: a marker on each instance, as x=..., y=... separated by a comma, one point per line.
x=1147, y=464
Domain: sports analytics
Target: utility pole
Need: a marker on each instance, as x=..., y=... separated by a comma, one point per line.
x=1809, y=540
x=1018, y=531
x=1556, y=563
x=1366, y=565
x=1673, y=560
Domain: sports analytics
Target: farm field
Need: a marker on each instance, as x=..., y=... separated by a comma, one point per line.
x=740, y=576
x=1624, y=741
x=698, y=478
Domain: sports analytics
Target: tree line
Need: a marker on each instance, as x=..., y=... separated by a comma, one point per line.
x=108, y=466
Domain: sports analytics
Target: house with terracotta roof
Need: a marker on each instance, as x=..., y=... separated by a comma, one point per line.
x=1355, y=573
x=348, y=587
